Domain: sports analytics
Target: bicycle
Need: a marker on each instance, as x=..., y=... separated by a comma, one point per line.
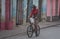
x=31, y=29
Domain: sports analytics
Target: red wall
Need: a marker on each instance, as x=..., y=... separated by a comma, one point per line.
x=48, y=8
x=8, y=24
x=54, y=5
x=58, y=7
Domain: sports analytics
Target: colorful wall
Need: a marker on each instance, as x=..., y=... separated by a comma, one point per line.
x=44, y=6
x=9, y=10
x=51, y=8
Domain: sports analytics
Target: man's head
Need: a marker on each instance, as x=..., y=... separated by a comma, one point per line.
x=34, y=7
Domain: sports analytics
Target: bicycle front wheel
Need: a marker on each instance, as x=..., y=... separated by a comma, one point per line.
x=29, y=31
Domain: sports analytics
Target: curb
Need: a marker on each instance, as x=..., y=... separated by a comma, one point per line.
x=49, y=26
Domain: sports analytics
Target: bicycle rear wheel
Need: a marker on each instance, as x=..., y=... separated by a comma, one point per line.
x=37, y=32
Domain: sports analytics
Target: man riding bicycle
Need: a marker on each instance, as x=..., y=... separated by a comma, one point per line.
x=34, y=12
x=34, y=17
x=34, y=27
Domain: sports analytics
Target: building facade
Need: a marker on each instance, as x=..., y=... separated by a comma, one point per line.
x=16, y=12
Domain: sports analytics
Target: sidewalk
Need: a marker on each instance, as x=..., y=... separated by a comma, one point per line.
x=21, y=29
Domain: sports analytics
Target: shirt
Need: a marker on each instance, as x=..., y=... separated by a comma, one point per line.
x=34, y=12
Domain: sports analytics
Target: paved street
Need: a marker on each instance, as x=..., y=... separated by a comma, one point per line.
x=46, y=33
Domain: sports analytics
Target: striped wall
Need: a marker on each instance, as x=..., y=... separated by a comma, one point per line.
x=13, y=8
x=9, y=9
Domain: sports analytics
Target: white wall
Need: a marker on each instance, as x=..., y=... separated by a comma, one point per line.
x=3, y=8
x=35, y=2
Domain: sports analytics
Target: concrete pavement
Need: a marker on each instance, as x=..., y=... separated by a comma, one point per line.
x=48, y=33
x=22, y=29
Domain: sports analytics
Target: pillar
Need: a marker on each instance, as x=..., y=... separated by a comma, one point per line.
x=0, y=14
x=19, y=12
x=8, y=22
x=43, y=14
x=56, y=2
x=40, y=7
x=29, y=7
x=59, y=9
x=49, y=10
x=24, y=11
x=53, y=7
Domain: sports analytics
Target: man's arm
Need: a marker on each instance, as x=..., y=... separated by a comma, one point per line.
x=31, y=14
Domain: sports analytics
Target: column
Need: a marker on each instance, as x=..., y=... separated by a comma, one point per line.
x=7, y=13
x=49, y=10
x=56, y=2
x=59, y=9
x=24, y=11
x=40, y=7
x=19, y=12
x=55, y=10
x=3, y=15
x=29, y=7
x=54, y=7
x=13, y=11
x=0, y=14
x=44, y=9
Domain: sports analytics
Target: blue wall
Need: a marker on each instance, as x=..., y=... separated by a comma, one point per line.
x=24, y=8
x=13, y=8
x=44, y=6
x=30, y=6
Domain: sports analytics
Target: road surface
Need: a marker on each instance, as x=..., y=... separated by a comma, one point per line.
x=46, y=33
